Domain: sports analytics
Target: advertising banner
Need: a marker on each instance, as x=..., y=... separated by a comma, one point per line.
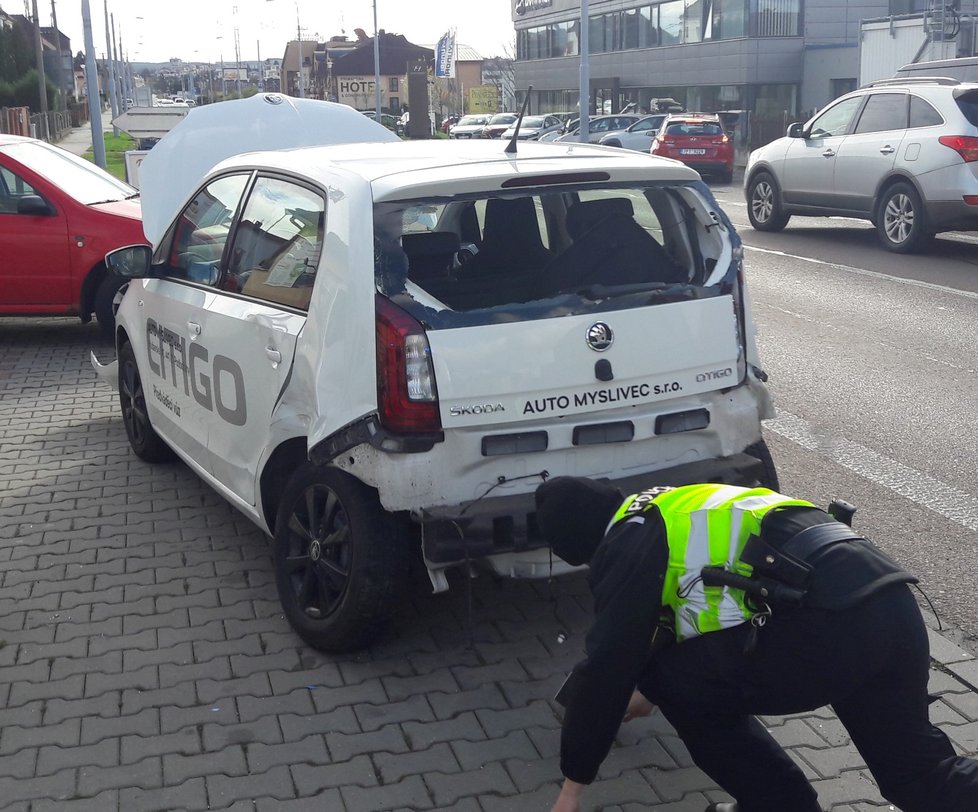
x=483, y=99
x=445, y=56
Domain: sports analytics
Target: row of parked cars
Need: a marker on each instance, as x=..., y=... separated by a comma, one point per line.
x=699, y=140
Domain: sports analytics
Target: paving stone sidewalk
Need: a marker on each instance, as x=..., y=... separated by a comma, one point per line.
x=145, y=664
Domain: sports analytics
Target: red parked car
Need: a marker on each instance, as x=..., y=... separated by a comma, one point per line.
x=699, y=141
x=59, y=216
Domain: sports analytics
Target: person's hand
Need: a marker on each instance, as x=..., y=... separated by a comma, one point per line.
x=638, y=706
x=569, y=799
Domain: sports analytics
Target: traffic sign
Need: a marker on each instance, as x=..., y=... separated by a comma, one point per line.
x=150, y=122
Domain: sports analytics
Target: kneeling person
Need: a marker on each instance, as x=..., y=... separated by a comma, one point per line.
x=834, y=623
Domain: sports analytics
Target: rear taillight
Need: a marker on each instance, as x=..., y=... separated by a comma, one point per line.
x=723, y=140
x=407, y=398
x=965, y=145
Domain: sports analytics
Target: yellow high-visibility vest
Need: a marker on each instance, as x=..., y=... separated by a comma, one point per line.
x=706, y=525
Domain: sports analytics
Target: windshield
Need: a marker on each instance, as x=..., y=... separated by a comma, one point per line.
x=480, y=259
x=694, y=128
x=469, y=121
x=532, y=121
x=503, y=118
x=75, y=176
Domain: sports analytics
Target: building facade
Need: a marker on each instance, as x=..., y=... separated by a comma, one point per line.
x=774, y=58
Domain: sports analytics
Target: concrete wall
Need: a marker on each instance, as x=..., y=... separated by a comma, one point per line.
x=821, y=66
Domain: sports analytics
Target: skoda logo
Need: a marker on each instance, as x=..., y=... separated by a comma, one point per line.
x=273, y=98
x=599, y=336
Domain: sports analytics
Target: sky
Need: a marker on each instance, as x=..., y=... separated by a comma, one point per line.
x=203, y=30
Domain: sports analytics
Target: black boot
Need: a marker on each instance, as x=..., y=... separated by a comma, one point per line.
x=723, y=807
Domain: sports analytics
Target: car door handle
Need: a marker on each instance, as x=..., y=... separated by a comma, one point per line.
x=887, y=150
x=273, y=355
x=194, y=328
x=829, y=153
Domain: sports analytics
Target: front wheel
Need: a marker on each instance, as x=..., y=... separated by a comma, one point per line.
x=769, y=477
x=900, y=220
x=108, y=296
x=145, y=442
x=340, y=561
x=764, y=204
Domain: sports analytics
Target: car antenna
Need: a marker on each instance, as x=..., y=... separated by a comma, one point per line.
x=511, y=146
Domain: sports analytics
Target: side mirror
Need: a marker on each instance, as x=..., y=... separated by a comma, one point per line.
x=796, y=130
x=131, y=262
x=34, y=205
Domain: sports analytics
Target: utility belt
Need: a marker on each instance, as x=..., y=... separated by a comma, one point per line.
x=781, y=574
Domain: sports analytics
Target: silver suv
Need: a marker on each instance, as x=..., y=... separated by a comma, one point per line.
x=901, y=153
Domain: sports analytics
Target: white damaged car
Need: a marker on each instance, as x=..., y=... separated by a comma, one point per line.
x=379, y=349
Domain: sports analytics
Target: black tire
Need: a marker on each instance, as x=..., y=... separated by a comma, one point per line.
x=145, y=442
x=900, y=220
x=769, y=479
x=107, y=298
x=340, y=560
x=764, y=204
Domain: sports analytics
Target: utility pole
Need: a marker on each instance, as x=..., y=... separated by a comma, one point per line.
x=42, y=84
x=91, y=85
x=113, y=101
x=261, y=69
x=298, y=33
x=117, y=78
x=377, y=68
x=237, y=61
x=584, y=104
x=61, y=58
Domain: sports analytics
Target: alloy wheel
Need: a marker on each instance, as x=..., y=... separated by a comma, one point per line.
x=133, y=401
x=320, y=552
x=762, y=201
x=898, y=218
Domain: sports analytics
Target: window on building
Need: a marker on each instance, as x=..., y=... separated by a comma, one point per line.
x=776, y=18
x=596, y=32
x=392, y=85
x=648, y=31
x=842, y=86
x=729, y=19
x=671, y=22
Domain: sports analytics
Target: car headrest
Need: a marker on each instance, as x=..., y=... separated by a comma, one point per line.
x=584, y=216
x=430, y=243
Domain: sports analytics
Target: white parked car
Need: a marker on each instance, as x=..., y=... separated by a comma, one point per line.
x=638, y=137
x=378, y=350
x=901, y=153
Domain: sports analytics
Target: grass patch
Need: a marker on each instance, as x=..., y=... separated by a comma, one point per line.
x=115, y=150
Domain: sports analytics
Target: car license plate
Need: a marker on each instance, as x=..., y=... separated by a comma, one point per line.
x=692, y=152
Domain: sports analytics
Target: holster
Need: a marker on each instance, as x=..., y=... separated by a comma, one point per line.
x=793, y=561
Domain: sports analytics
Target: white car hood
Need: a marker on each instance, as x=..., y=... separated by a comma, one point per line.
x=207, y=135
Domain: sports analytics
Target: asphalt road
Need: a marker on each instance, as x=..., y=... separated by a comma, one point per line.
x=872, y=360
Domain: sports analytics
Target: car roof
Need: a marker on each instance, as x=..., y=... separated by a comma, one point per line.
x=6, y=138
x=407, y=168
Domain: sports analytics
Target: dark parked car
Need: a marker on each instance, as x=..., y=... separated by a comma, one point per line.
x=498, y=124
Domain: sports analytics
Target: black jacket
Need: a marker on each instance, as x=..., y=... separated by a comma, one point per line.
x=626, y=578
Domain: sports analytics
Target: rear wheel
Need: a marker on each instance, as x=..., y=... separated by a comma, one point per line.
x=900, y=220
x=764, y=204
x=769, y=477
x=340, y=561
x=145, y=442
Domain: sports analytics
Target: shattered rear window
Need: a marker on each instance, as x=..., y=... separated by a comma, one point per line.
x=542, y=253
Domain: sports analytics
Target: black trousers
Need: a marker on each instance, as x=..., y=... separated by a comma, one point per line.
x=869, y=662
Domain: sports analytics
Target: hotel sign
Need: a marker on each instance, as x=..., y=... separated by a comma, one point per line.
x=523, y=6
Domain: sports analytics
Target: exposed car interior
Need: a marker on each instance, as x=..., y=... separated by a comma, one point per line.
x=571, y=249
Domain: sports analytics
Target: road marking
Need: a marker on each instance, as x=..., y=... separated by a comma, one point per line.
x=945, y=500
x=864, y=272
